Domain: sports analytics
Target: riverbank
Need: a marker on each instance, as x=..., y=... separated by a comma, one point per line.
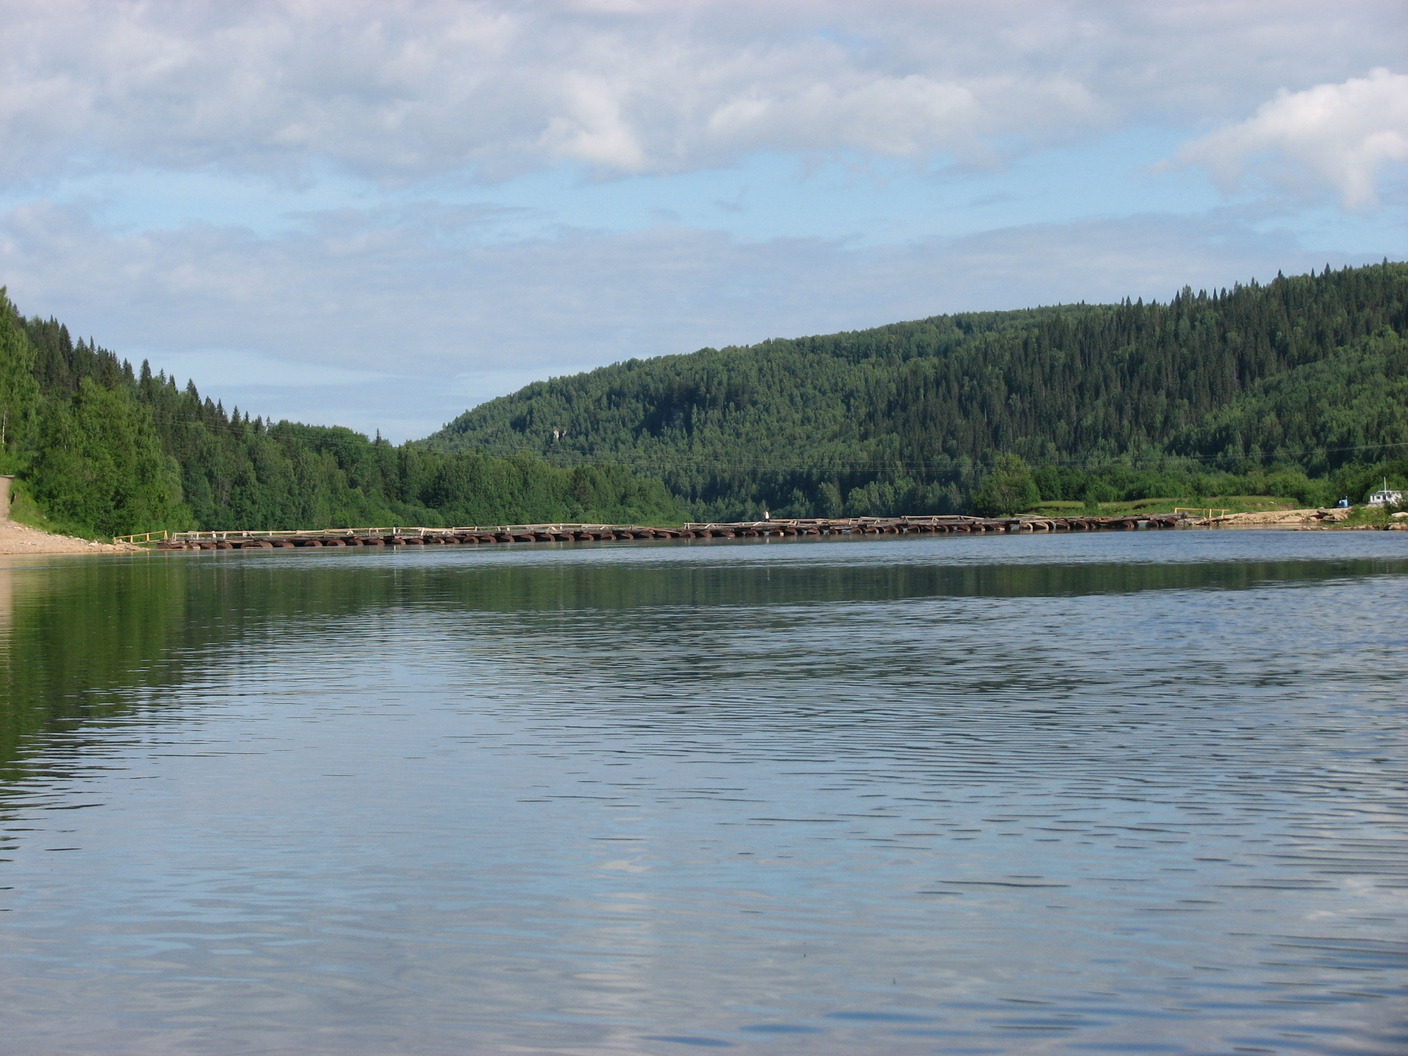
x=1314, y=518
x=1317, y=518
x=21, y=539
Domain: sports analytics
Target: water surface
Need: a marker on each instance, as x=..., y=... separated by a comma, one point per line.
x=1079, y=794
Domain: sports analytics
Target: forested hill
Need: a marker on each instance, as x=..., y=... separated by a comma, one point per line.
x=1298, y=388
x=1305, y=379
x=99, y=449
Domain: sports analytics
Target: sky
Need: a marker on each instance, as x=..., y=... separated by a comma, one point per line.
x=380, y=213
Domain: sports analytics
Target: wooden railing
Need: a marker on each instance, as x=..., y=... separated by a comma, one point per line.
x=398, y=530
x=142, y=537
x=398, y=535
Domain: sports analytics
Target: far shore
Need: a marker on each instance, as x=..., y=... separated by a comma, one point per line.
x=1317, y=518
x=21, y=540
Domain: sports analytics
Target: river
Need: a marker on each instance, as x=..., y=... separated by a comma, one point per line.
x=1115, y=793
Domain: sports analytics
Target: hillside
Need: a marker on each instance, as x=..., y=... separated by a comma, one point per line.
x=1298, y=388
x=1301, y=383
x=99, y=449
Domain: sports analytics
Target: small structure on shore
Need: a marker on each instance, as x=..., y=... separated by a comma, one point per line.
x=1385, y=497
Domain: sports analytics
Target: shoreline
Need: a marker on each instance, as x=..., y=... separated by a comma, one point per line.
x=1304, y=518
x=1307, y=519
x=20, y=540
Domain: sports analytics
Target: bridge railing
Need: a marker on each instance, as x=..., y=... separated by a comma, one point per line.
x=782, y=526
x=142, y=537
x=387, y=530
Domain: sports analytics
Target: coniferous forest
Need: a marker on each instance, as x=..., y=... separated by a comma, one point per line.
x=1296, y=388
x=99, y=450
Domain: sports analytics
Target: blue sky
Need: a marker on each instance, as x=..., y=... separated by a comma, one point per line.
x=378, y=214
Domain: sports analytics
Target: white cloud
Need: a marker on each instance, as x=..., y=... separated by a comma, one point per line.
x=389, y=195
x=1345, y=134
x=412, y=89
x=593, y=128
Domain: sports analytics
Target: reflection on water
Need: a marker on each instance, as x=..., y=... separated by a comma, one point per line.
x=1084, y=794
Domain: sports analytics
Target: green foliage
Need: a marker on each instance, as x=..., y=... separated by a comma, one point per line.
x=100, y=466
x=1298, y=388
x=1304, y=376
x=1358, y=482
x=105, y=452
x=19, y=391
x=1008, y=490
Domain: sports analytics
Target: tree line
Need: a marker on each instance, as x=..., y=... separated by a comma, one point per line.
x=1297, y=388
x=100, y=450
x=1299, y=385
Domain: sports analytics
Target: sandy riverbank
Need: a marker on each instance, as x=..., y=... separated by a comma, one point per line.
x=22, y=539
x=1321, y=518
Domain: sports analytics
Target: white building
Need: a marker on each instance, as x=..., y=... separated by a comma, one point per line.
x=1385, y=497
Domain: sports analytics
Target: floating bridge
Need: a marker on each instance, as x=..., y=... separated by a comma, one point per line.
x=583, y=533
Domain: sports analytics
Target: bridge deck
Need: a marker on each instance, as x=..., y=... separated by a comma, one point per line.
x=569, y=533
